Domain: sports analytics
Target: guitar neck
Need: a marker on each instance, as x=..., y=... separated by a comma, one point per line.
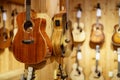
x=28, y=8
x=96, y=65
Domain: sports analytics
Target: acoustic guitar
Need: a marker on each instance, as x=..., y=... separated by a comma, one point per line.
x=96, y=70
x=29, y=45
x=97, y=35
x=116, y=75
x=78, y=27
x=77, y=73
x=4, y=32
x=58, y=23
x=66, y=39
x=116, y=34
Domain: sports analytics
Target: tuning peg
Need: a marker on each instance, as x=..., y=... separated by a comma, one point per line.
x=78, y=7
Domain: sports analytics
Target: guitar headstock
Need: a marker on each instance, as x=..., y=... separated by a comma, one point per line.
x=118, y=8
x=79, y=10
x=14, y=12
x=98, y=10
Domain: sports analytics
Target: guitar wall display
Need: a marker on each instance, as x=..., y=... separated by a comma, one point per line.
x=97, y=35
x=116, y=34
x=29, y=45
x=77, y=73
x=116, y=75
x=4, y=32
x=78, y=27
x=96, y=70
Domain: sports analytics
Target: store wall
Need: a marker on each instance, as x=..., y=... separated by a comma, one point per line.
x=108, y=56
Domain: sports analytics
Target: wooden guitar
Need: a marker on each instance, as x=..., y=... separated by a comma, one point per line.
x=29, y=45
x=4, y=32
x=77, y=73
x=78, y=27
x=97, y=35
x=58, y=23
x=116, y=34
x=66, y=39
x=96, y=70
x=116, y=75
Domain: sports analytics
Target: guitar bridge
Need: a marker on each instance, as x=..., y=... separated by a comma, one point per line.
x=27, y=41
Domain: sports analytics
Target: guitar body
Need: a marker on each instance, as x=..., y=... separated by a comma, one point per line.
x=34, y=52
x=45, y=24
x=97, y=35
x=4, y=38
x=75, y=75
x=96, y=75
x=78, y=36
x=66, y=39
x=116, y=36
x=57, y=33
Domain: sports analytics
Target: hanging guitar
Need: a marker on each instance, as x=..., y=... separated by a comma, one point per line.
x=78, y=27
x=116, y=75
x=97, y=35
x=59, y=22
x=4, y=32
x=66, y=39
x=96, y=70
x=29, y=45
x=116, y=34
x=77, y=73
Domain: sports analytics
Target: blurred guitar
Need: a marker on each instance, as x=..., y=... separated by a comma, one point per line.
x=116, y=75
x=97, y=35
x=29, y=45
x=77, y=73
x=58, y=23
x=78, y=27
x=96, y=70
x=116, y=34
x=4, y=32
x=66, y=39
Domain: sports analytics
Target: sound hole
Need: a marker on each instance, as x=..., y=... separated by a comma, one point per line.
x=119, y=29
x=98, y=73
x=78, y=71
x=5, y=36
x=28, y=26
x=118, y=75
